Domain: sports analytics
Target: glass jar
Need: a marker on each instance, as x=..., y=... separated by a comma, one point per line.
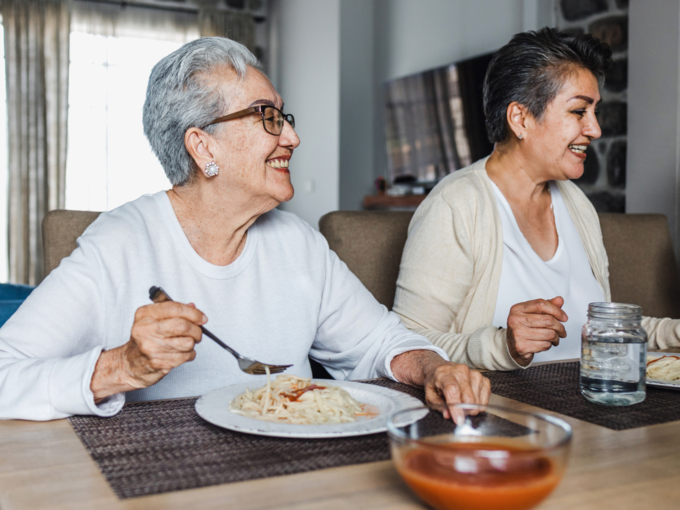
x=613, y=354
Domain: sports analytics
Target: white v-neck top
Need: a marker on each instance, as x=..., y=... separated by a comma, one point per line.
x=525, y=276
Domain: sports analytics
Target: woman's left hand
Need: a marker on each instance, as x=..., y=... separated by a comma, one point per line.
x=445, y=383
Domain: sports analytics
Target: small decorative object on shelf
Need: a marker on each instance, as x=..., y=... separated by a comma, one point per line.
x=381, y=185
x=399, y=190
x=405, y=194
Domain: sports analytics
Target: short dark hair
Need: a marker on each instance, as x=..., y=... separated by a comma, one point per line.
x=531, y=68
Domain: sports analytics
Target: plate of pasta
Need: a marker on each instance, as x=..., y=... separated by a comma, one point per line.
x=292, y=406
x=663, y=370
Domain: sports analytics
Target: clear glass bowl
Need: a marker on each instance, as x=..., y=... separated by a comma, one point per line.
x=496, y=457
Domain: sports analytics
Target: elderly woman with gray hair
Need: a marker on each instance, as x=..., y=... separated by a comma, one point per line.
x=87, y=338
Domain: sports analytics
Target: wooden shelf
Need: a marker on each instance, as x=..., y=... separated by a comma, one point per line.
x=388, y=202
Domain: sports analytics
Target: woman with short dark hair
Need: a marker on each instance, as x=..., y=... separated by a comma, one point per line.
x=504, y=256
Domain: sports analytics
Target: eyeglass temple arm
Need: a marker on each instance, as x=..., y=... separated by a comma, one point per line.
x=242, y=113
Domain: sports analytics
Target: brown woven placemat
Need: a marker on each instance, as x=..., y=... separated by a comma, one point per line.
x=155, y=447
x=555, y=387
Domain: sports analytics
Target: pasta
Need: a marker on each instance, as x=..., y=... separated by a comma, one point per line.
x=665, y=368
x=293, y=399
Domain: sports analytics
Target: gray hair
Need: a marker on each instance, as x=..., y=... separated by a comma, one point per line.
x=179, y=97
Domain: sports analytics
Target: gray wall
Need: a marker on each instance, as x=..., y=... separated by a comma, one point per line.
x=308, y=79
x=653, y=111
x=357, y=100
x=414, y=36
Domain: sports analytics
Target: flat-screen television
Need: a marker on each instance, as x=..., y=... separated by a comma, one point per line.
x=434, y=121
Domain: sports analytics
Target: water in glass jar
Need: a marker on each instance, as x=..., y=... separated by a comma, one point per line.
x=613, y=369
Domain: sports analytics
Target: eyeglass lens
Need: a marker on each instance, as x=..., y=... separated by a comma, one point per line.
x=273, y=120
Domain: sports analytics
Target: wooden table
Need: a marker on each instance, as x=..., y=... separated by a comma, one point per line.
x=44, y=466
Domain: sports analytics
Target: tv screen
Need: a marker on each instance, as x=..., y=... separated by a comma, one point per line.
x=434, y=121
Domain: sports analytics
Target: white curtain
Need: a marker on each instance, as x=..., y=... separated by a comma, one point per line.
x=127, y=20
x=36, y=69
x=113, y=49
x=238, y=26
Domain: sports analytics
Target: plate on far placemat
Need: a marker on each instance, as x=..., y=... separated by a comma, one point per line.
x=660, y=383
x=214, y=408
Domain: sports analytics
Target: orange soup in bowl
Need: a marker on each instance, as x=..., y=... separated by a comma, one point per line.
x=454, y=478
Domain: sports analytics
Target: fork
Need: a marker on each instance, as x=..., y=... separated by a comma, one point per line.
x=248, y=365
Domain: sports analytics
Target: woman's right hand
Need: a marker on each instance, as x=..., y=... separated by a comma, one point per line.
x=163, y=337
x=535, y=326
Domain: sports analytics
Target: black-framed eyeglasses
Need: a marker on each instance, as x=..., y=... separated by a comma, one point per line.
x=272, y=118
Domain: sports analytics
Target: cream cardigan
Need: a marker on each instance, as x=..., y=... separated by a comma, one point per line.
x=451, y=267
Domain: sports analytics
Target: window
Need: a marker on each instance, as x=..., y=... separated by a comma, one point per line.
x=113, y=49
x=109, y=160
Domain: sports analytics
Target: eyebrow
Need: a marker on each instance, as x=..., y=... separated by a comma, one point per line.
x=262, y=101
x=587, y=99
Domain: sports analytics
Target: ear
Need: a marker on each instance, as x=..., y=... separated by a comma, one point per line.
x=518, y=120
x=199, y=145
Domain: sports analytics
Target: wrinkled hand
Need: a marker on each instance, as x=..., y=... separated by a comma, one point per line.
x=445, y=383
x=163, y=337
x=453, y=383
x=535, y=326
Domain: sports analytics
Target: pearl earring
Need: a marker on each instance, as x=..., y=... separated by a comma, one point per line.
x=211, y=169
x=521, y=136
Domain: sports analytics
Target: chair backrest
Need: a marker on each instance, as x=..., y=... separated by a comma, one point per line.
x=60, y=230
x=642, y=267
x=370, y=243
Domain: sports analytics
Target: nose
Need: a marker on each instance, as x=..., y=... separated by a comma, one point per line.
x=592, y=128
x=288, y=137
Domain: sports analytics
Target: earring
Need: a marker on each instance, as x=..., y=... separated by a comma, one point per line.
x=211, y=169
x=520, y=136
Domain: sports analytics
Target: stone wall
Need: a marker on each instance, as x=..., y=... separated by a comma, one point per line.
x=604, y=179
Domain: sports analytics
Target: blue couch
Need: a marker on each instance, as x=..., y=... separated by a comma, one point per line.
x=11, y=297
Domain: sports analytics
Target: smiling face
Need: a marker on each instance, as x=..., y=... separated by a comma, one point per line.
x=556, y=143
x=251, y=160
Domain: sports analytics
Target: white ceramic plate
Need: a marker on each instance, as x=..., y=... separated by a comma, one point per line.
x=214, y=408
x=672, y=385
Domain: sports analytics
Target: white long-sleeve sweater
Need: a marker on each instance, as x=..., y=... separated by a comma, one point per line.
x=285, y=298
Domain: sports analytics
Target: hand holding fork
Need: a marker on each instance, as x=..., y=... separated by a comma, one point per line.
x=248, y=365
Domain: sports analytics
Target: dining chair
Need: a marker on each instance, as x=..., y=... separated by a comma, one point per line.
x=61, y=229
x=370, y=243
x=642, y=267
